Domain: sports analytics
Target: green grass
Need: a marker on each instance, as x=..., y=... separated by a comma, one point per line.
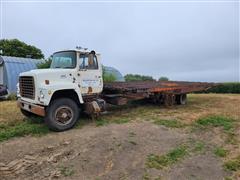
x=66, y=171
x=198, y=146
x=216, y=121
x=233, y=165
x=175, y=155
x=121, y=120
x=169, y=123
x=220, y=152
x=103, y=122
x=159, y=162
x=146, y=176
x=21, y=129
x=227, y=178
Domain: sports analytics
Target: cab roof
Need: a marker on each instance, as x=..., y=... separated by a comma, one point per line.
x=83, y=50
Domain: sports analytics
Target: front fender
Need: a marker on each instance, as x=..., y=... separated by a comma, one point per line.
x=50, y=89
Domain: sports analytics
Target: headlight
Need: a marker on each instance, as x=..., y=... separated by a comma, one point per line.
x=18, y=90
x=41, y=94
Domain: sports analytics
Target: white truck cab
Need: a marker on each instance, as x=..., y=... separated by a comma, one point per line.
x=57, y=93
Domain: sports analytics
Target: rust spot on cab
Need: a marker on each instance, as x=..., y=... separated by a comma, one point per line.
x=89, y=90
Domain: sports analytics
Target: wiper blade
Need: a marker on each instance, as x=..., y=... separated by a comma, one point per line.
x=63, y=67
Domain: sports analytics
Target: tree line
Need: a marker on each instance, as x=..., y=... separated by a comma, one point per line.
x=16, y=48
x=228, y=87
x=138, y=77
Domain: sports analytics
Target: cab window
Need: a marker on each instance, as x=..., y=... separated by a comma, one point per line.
x=64, y=59
x=88, y=61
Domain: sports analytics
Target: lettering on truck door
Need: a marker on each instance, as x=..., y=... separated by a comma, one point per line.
x=90, y=75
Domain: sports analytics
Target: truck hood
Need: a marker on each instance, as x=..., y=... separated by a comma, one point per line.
x=37, y=72
x=53, y=75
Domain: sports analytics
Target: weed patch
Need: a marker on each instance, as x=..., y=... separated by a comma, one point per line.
x=198, y=147
x=169, y=123
x=158, y=162
x=121, y=120
x=146, y=176
x=216, y=121
x=101, y=122
x=66, y=171
x=21, y=129
x=220, y=152
x=233, y=165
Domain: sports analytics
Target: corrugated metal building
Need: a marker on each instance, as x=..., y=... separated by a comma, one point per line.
x=11, y=67
x=115, y=72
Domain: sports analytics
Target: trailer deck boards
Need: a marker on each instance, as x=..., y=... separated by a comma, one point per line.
x=175, y=87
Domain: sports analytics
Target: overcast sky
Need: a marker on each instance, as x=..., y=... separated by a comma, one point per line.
x=193, y=41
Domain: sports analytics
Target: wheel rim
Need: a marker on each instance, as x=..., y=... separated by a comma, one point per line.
x=63, y=115
x=183, y=99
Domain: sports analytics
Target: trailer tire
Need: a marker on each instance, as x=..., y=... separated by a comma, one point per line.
x=62, y=114
x=181, y=99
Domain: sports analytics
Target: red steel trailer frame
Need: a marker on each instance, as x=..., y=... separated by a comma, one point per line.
x=167, y=92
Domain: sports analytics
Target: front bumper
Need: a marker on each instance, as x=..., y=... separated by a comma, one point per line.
x=33, y=108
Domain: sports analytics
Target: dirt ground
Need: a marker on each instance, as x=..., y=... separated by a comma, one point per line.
x=120, y=150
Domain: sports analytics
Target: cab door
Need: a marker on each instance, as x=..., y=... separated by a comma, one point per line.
x=90, y=74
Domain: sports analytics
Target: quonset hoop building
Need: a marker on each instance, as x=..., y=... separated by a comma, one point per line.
x=115, y=72
x=10, y=68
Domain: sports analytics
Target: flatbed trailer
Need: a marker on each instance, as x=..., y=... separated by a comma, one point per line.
x=167, y=92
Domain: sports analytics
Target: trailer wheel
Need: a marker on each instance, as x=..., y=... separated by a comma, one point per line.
x=62, y=114
x=169, y=99
x=181, y=99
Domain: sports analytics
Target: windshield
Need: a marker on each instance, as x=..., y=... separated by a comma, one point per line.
x=64, y=60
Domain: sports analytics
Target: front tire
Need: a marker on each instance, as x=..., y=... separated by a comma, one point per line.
x=62, y=114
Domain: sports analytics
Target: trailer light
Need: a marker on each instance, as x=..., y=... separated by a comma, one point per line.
x=47, y=82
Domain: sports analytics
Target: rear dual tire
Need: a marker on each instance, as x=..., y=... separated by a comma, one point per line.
x=62, y=114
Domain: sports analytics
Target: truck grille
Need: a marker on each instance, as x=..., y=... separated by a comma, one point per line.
x=27, y=87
